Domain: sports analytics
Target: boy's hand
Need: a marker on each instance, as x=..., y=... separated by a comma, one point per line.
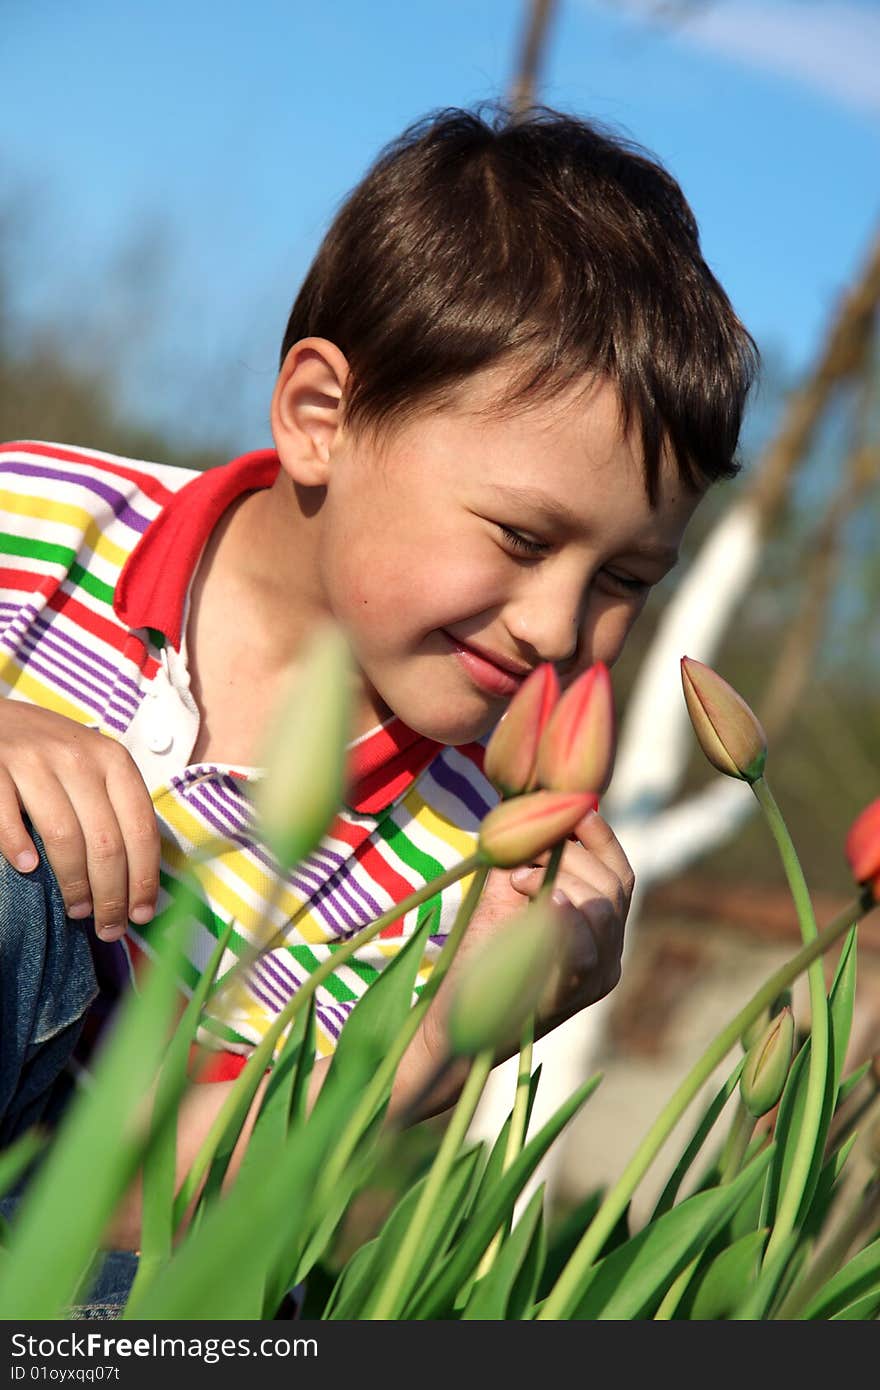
x=597, y=883
x=88, y=801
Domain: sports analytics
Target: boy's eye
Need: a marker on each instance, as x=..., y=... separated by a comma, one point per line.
x=520, y=542
x=626, y=584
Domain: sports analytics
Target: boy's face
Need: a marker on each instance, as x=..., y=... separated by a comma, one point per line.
x=469, y=549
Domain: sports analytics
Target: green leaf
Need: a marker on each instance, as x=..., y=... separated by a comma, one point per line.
x=382, y=1010
x=864, y=1308
x=218, y=1271
x=160, y=1165
x=99, y=1145
x=439, y=1293
x=704, y=1127
x=791, y=1108
x=372, y=1027
x=728, y=1278
x=631, y=1281
x=859, y=1277
x=490, y=1295
x=757, y=1301
x=360, y=1284
x=827, y=1189
x=521, y=1304
x=15, y=1160
x=849, y=1083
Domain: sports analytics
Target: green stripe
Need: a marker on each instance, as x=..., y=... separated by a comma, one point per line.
x=309, y=961
x=367, y=973
x=37, y=550
x=92, y=585
x=415, y=858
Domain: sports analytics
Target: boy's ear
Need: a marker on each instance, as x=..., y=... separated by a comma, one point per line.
x=306, y=409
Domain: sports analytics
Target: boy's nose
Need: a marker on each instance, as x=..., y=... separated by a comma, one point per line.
x=551, y=630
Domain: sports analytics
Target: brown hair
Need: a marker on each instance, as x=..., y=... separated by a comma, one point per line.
x=546, y=240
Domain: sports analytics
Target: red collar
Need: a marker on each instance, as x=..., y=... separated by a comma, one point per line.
x=152, y=588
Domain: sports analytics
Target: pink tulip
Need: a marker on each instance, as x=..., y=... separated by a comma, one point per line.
x=515, y=832
x=577, y=747
x=726, y=729
x=512, y=751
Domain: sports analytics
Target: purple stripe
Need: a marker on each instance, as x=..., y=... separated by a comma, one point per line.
x=58, y=684
x=199, y=797
x=321, y=892
x=85, y=654
x=375, y=908
x=31, y=643
x=458, y=786
x=321, y=1014
x=118, y=503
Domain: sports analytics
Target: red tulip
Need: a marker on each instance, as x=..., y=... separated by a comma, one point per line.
x=726, y=729
x=577, y=747
x=515, y=832
x=863, y=847
x=512, y=751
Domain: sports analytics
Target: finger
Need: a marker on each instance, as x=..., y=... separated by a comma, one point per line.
x=54, y=818
x=16, y=845
x=105, y=859
x=596, y=835
x=137, y=822
x=585, y=873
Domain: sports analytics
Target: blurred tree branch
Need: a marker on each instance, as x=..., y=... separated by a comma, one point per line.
x=538, y=17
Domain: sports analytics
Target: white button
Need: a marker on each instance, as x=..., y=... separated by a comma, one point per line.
x=160, y=741
x=152, y=693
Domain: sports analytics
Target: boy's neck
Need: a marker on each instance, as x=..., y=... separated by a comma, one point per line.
x=257, y=579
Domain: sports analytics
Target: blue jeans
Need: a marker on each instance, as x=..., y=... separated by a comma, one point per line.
x=47, y=983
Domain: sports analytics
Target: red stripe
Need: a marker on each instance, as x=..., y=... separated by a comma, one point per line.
x=148, y=484
x=27, y=581
x=93, y=623
x=382, y=873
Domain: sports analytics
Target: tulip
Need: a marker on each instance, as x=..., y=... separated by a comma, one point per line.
x=305, y=750
x=762, y=1022
x=767, y=1063
x=577, y=747
x=863, y=848
x=726, y=729
x=515, y=832
x=512, y=751
x=502, y=983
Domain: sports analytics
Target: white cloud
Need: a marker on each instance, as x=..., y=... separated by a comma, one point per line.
x=832, y=46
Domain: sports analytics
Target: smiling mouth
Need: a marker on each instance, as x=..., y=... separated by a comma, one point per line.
x=486, y=674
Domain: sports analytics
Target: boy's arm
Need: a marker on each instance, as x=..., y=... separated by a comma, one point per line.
x=202, y=1104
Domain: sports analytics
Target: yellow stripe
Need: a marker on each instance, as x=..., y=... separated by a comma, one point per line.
x=462, y=841
x=40, y=693
x=66, y=514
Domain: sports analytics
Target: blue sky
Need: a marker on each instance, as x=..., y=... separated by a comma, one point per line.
x=221, y=136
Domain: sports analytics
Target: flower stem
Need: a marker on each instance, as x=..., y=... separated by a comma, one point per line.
x=393, y=1293
x=737, y=1145
x=808, y=1132
x=566, y=1291
x=516, y=1135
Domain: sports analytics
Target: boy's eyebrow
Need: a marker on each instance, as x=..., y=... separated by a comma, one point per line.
x=554, y=510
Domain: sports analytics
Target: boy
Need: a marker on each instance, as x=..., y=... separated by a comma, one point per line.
x=505, y=385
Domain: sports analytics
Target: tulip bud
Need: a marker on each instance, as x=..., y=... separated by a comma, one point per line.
x=727, y=730
x=305, y=750
x=502, y=983
x=512, y=751
x=764, y=1074
x=514, y=832
x=576, y=753
x=761, y=1023
x=863, y=848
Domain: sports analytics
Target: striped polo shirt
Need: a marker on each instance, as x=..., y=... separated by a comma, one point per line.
x=97, y=555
